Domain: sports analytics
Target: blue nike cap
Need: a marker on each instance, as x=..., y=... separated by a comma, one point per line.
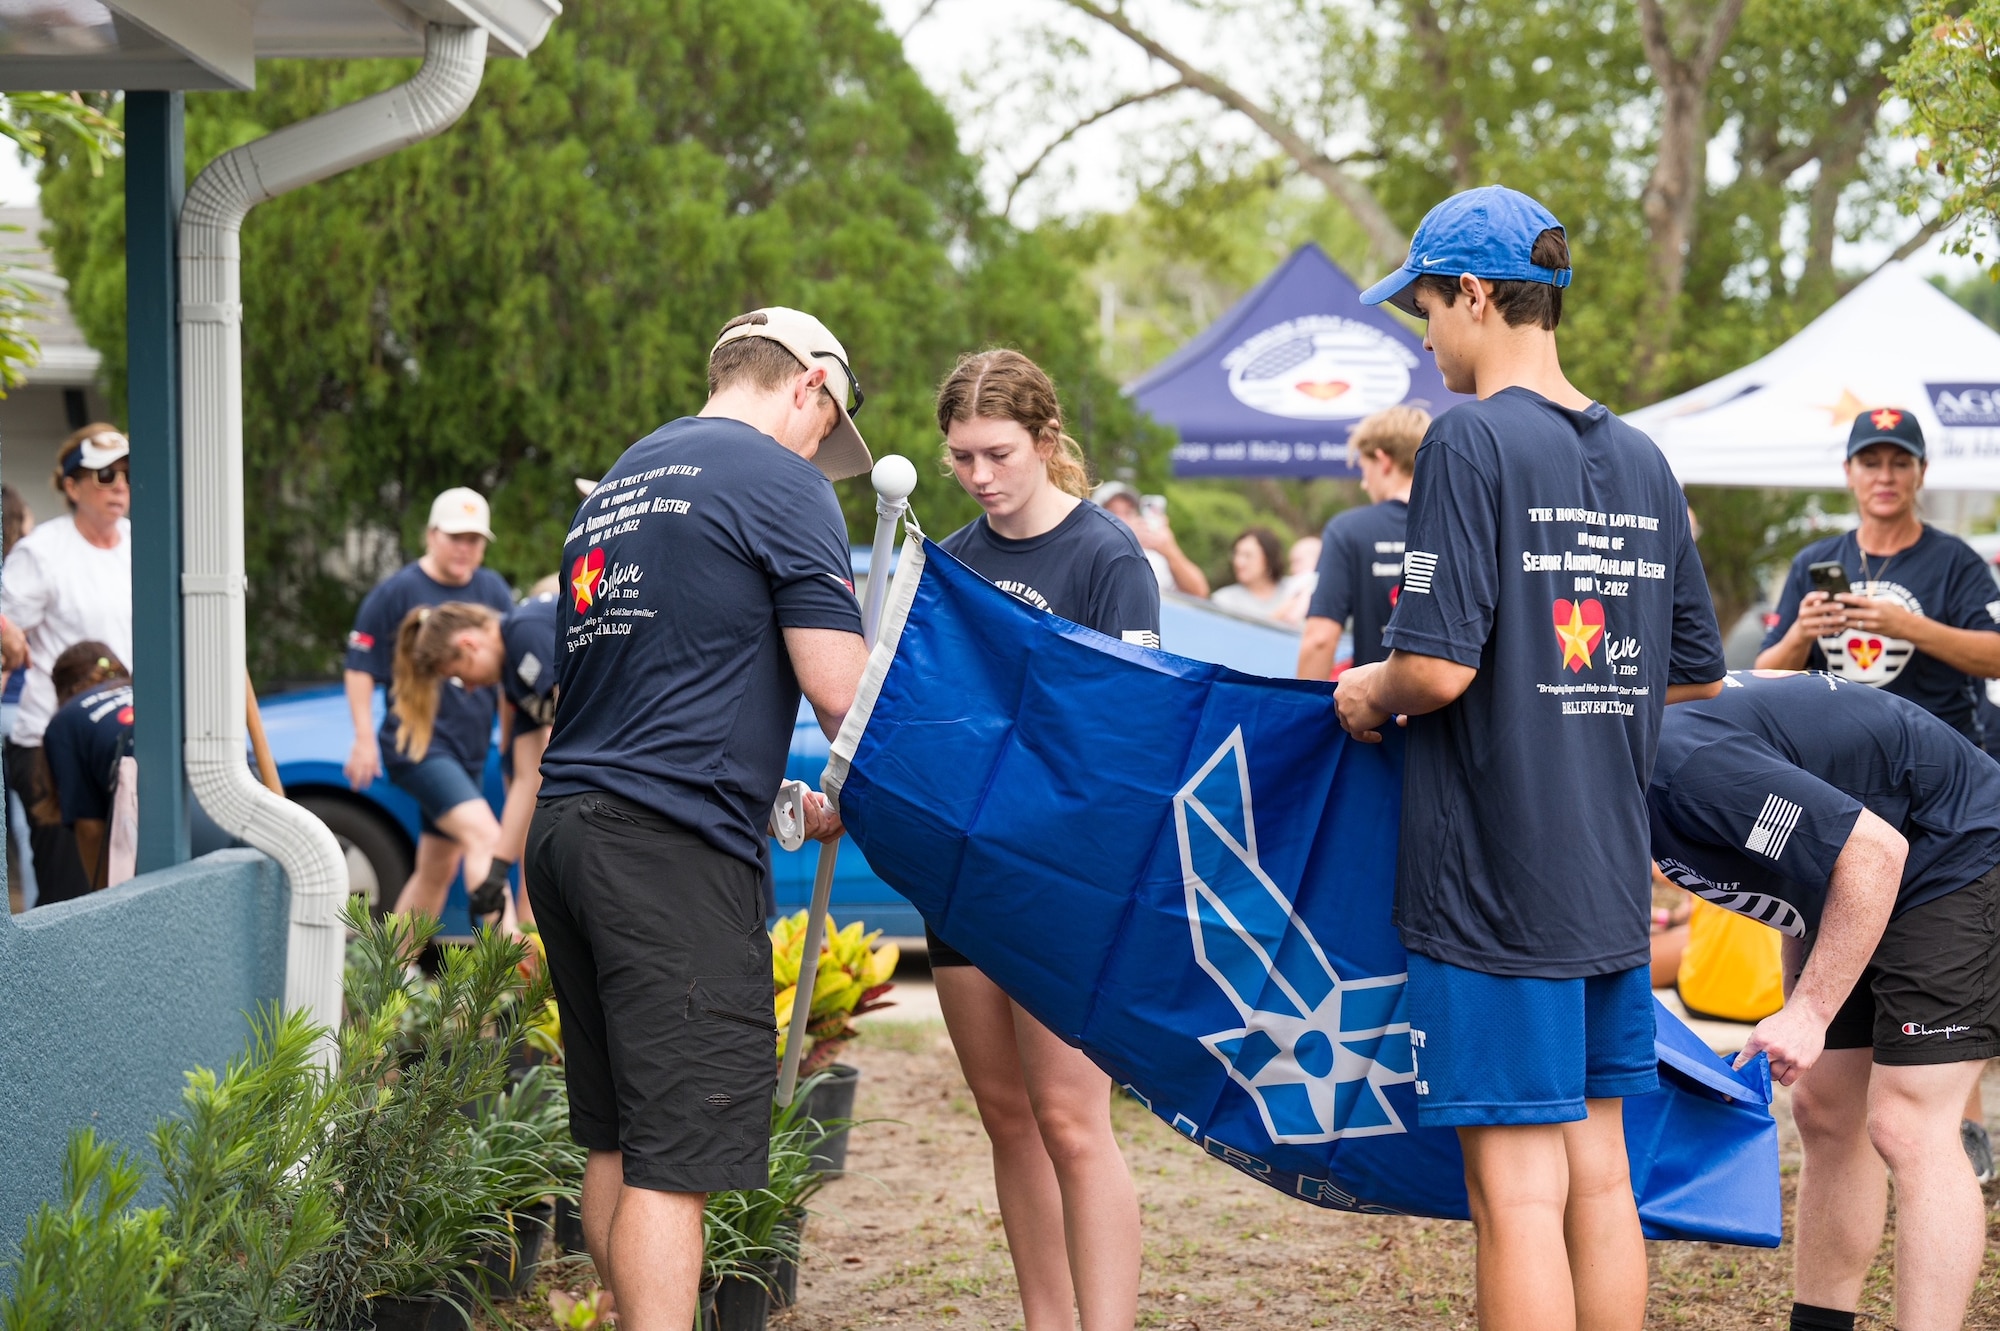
x=1488, y=232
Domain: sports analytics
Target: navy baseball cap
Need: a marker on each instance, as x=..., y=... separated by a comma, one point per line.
x=1887, y=425
x=1488, y=232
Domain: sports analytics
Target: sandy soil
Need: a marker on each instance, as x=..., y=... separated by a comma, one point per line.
x=913, y=1238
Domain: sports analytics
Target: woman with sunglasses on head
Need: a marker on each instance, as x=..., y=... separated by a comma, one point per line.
x=1066, y=1197
x=68, y=580
x=479, y=648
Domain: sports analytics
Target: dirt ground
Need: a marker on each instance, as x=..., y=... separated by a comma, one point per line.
x=912, y=1238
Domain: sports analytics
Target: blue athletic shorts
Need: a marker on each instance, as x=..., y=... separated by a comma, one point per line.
x=438, y=784
x=1501, y=1049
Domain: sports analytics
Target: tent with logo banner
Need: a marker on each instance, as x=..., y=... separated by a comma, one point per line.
x=1894, y=342
x=1273, y=386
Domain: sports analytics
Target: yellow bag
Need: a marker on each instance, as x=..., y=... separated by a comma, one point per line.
x=1733, y=967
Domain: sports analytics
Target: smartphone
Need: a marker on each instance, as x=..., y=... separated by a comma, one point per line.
x=1829, y=577
x=1153, y=508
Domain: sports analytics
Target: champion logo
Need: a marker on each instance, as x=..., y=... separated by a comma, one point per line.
x=1918, y=1028
x=1773, y=827
x=1418, y=566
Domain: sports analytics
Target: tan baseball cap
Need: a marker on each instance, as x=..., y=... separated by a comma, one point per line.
x=459, y=510
x=842, y=453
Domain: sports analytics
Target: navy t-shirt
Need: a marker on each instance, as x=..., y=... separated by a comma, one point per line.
x=528, y=670
x=1549, y=548
x=1756, y=791
x=1088, y=568
x=85, y=739
x=464, y=724
x=1941, y=578
x=702, y=543
x=1361, y=573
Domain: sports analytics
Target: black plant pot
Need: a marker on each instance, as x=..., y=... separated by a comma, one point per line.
x=830, y=1099
x=569, y=1226
x=705, y=1316
x=741, y=1305
x=785, y=1273
x=423, y=1312
x=506, y=1270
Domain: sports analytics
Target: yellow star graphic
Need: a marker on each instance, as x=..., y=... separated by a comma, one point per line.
x=1576, y=636
x=584, y=582
x=1845, y=410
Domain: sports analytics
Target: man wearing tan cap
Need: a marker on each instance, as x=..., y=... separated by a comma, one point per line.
x=706, y=585
x=446, y=778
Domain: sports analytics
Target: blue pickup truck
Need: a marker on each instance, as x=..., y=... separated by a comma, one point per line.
x=310, y=735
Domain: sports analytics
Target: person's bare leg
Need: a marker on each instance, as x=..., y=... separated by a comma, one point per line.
x=430, y=877
x=1517, y=1180
x=1607, y=1249
x=656, y=1243
x=475, y=829
x=1072, y=1102
x=1843, y=1187
x=980, y=1019
x=1940, y=1214
x=603, y=1180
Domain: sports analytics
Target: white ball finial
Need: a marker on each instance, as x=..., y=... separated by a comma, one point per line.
x=895, y=476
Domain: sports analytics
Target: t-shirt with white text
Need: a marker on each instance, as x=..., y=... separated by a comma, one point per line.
x=1088, y=568
x=61, y=590
x=1361, y=573
x=84, y=741
x=1940, y=578
x=1757, y=790
x=1549, y=549
x=704, y=541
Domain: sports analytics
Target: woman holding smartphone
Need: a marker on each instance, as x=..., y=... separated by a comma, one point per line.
x=1066, y=1198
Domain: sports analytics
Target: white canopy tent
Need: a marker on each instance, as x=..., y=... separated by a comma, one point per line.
x=1894, y=341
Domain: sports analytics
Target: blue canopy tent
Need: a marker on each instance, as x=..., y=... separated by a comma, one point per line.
x=1273, y=386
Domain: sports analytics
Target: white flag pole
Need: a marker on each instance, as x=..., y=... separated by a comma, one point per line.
x=894, y=478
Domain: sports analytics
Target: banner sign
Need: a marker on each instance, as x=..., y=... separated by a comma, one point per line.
x=1188, y=873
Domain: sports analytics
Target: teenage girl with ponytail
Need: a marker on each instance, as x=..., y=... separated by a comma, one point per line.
x=1066, y=1198
x=478, y=647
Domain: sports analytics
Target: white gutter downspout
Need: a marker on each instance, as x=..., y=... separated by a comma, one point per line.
x=211, y=314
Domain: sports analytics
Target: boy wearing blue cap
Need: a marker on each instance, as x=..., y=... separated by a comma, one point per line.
x=1552, y=604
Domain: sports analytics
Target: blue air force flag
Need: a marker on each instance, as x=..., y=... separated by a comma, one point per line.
x=1188, y=873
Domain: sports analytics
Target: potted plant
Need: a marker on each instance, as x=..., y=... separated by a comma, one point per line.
x=413, y=1197
x=523, y=1152
x=854, y=975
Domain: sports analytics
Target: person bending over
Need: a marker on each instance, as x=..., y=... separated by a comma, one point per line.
x=1361, y=550
x=83, y=749
x=1866, y=831
x=447, y=778
x=1066, y=1198
x=1552, y=604
x=480, y=648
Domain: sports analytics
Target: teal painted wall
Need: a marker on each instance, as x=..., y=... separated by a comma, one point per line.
x=107, y=1000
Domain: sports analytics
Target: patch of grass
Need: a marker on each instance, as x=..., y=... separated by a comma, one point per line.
x=905, y=1037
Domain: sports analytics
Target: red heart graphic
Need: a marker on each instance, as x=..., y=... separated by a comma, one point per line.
x=1326, y=390
x=1579, y=628
x=584, y=576
x=1864, y=653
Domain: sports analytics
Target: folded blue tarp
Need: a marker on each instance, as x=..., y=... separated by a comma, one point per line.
x=1188, y=873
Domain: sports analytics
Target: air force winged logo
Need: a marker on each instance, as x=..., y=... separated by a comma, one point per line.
x=1314, y=1051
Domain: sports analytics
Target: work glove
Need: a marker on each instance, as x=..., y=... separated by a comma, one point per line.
x=490, y=897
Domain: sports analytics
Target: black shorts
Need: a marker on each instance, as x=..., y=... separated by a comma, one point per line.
x=941, y=952
x=662, y=972
x=1931, y=992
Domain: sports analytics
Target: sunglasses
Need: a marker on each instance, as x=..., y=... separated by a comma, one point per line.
x=855, y=397
x=107, y=475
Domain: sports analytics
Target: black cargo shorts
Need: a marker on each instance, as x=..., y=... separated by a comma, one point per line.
x=662, y=972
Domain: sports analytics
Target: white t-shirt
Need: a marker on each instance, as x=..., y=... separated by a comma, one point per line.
x=60, y=590
x=1163, y=572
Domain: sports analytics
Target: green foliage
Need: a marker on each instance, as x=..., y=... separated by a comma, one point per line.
x=248, y=1198
x=513, y=303
x=1951, y=79
x=521, y=1144
x=413, y=1198
x=33, y=122
x=747, y=1231
x=94, y=1260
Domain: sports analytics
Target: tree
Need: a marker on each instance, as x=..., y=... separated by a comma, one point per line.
x=33, y=121
x=513, y=303
x=1951, y=79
